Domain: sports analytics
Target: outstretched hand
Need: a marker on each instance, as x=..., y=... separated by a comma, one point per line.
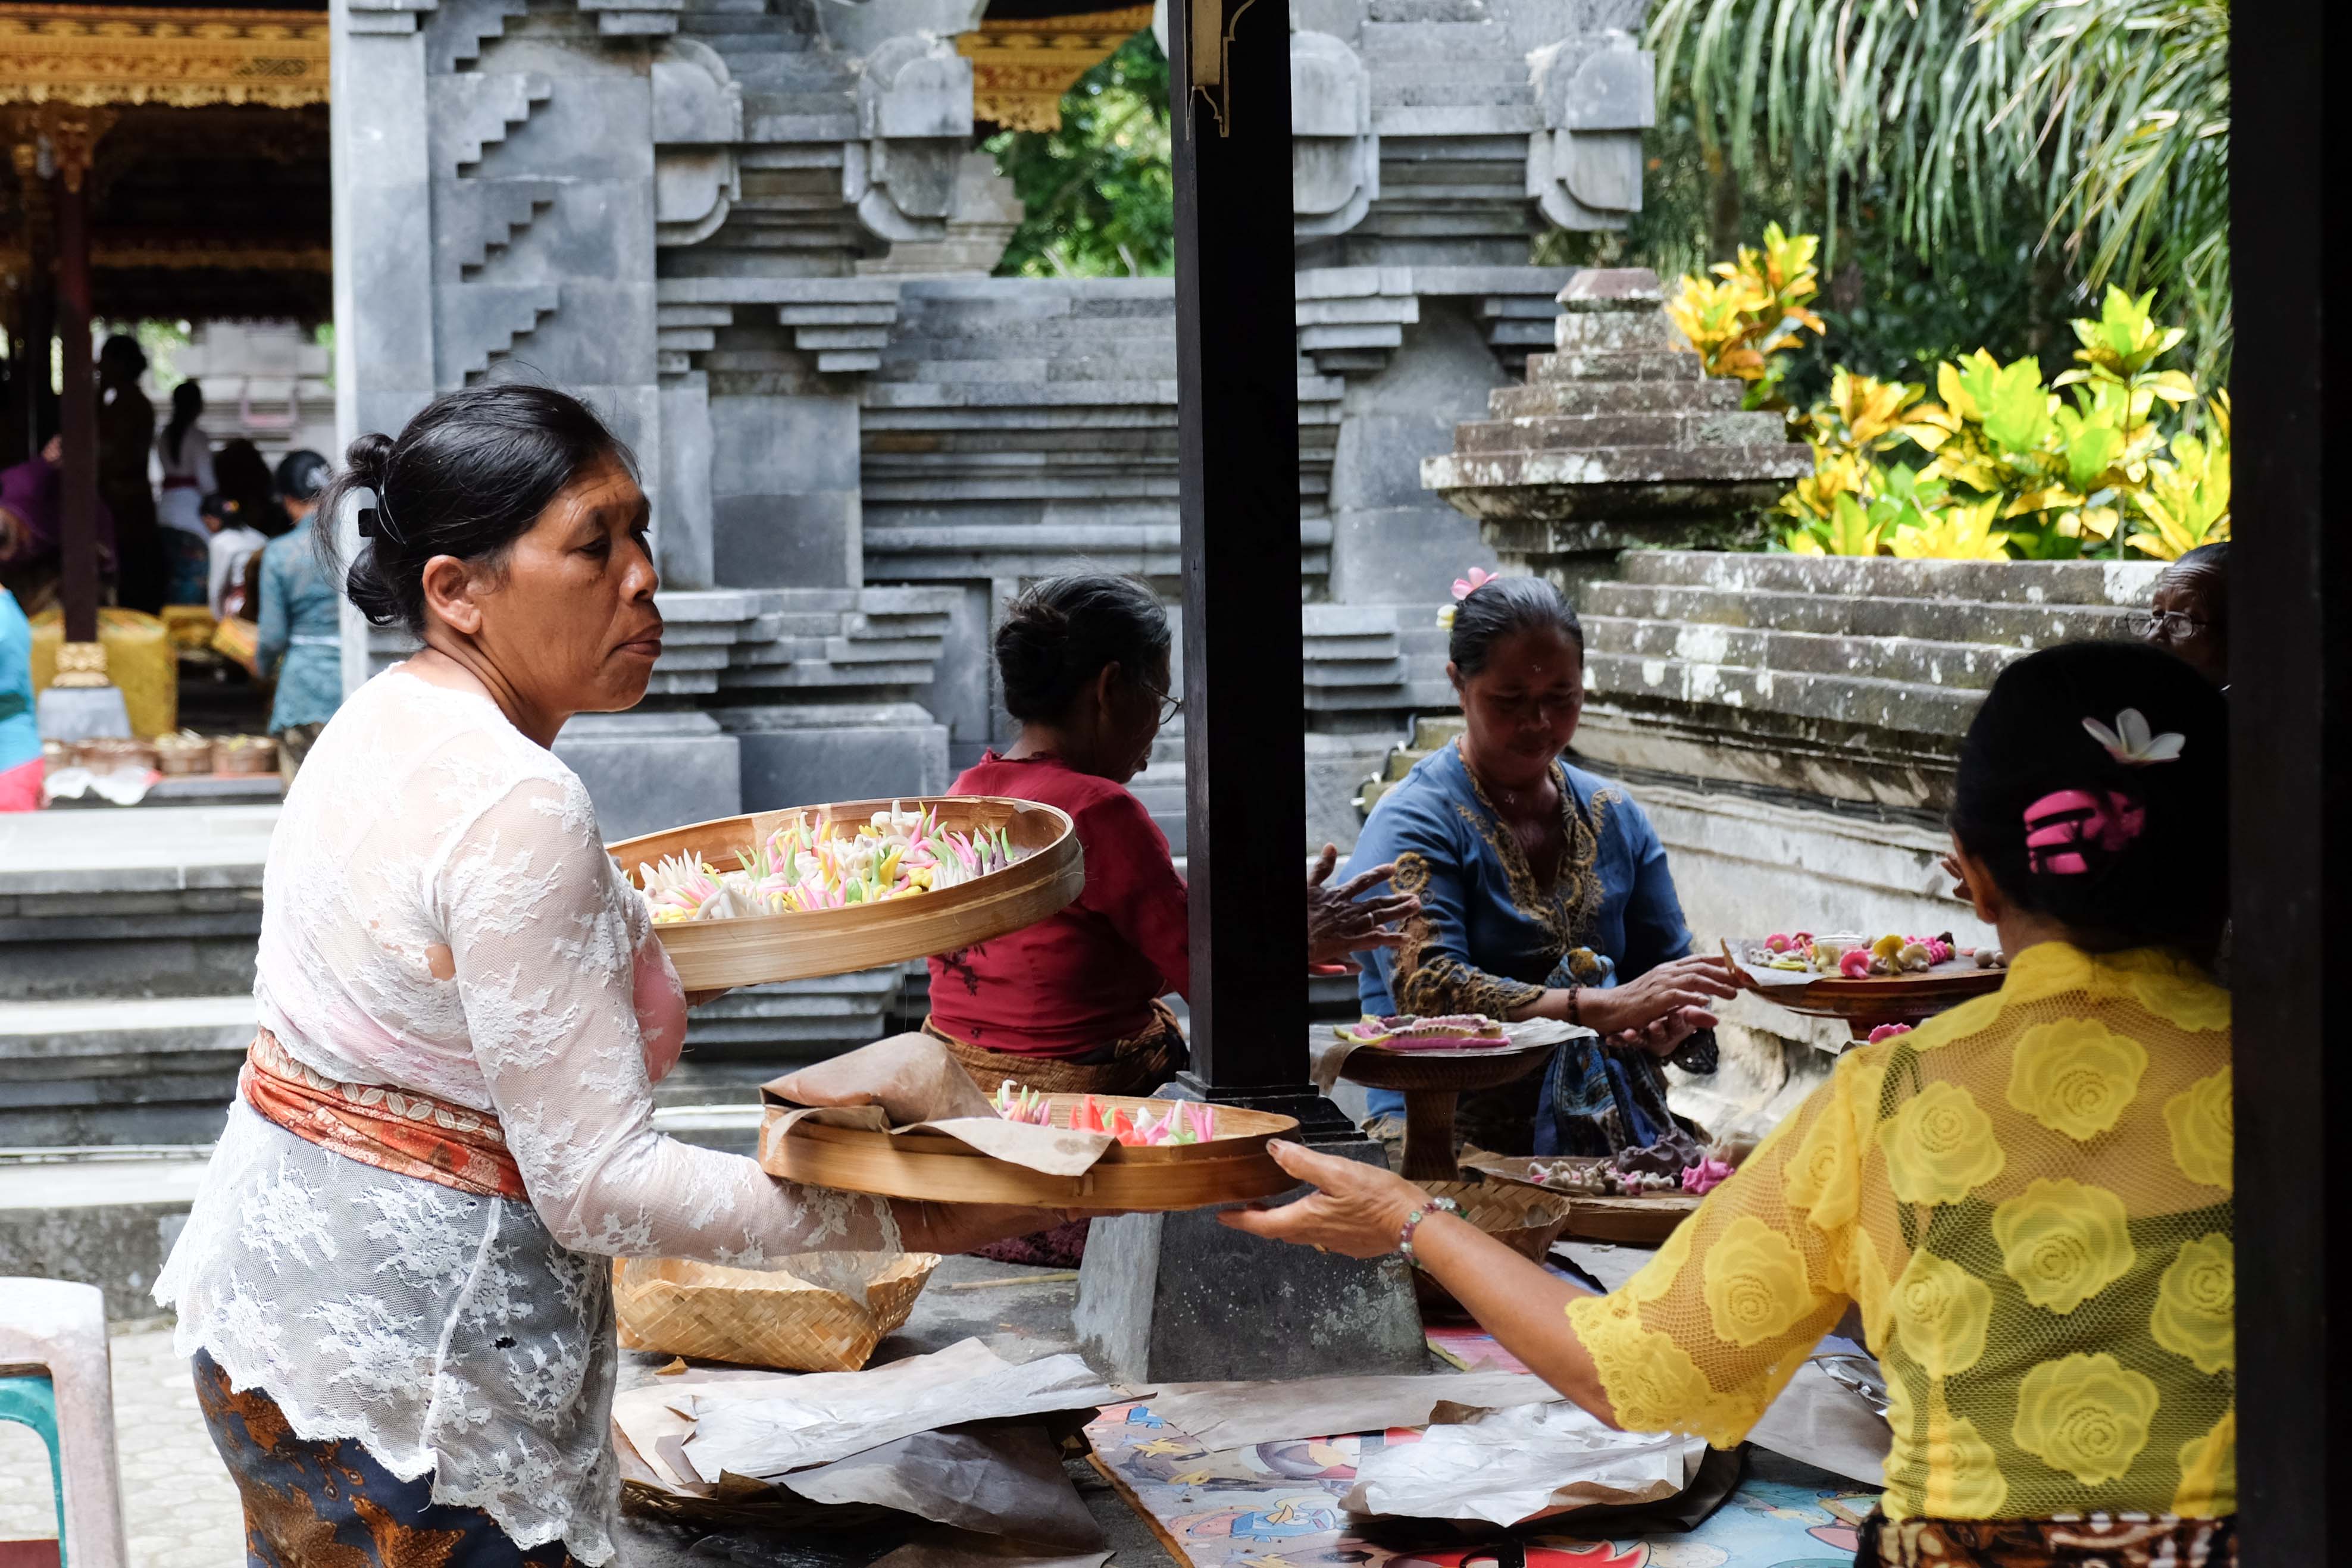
x=1359, y=1210
x=1338, y=923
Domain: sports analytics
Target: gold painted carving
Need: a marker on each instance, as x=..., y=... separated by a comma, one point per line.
x=94, y=55
x=80, y=664
x=1021, y=69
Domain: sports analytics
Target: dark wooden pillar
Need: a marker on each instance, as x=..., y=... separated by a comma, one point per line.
x=1237, y=391
x=2290, y=787
x=28, y=379
x=77, y=415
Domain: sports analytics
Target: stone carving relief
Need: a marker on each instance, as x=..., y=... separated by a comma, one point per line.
x=698, y=119
x=1594, y=94
x=914, y=119
x=1335, y=155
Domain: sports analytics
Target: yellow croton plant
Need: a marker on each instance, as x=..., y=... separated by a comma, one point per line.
x=2112, y=456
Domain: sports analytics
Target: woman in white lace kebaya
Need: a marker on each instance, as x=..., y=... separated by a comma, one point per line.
x=394, y=1282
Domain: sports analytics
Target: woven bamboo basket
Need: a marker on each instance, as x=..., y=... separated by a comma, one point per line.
x=933, y=1166
x=1525, y=1220
x=758, y=949
x=765, y=1317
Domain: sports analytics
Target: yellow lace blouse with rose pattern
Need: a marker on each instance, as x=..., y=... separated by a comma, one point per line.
x=2029, y=1198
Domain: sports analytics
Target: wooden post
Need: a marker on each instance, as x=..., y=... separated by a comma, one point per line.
x=28, y=381
x=2291, y=845
x=77, y=415
x=1237, y=410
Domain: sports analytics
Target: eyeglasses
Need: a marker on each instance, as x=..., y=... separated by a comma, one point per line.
x=2168, y=625
x=1169, y=706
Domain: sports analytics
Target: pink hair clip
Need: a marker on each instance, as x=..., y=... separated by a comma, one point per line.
x=1477, y=578
x=2130, y=743
x=2057, y=825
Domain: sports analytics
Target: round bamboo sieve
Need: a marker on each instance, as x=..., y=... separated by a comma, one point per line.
x=710, y=955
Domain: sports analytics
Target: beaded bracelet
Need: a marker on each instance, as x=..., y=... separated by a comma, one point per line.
x=1404, y=1236
x=1576, y=1006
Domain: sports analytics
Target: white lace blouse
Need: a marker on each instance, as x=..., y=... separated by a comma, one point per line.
x=439, y=914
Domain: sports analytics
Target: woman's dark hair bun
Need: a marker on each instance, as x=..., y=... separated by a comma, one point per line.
x=2124, y=851
x=1057, y=636
x=1501, y=607
x=367, y=458
x=465, y=477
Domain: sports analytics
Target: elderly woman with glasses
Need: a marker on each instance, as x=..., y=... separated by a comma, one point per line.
x=1073, y=1004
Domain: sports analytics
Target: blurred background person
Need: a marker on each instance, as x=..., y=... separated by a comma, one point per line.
x=300, y=641
x=126, y=429
x=241, y=517
x=2189, y=612
x=186, y=453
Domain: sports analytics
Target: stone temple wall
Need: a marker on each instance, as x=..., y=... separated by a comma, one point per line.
x=754, y=234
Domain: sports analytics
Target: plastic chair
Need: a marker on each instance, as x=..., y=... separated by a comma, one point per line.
x=55, y=1378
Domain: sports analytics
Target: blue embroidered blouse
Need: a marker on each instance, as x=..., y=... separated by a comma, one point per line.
x=1489, y=940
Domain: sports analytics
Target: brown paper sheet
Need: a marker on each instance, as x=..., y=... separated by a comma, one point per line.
x=995, y=1482
x=909, y=1083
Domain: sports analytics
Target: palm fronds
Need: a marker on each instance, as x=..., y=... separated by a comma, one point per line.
x=2111, y=115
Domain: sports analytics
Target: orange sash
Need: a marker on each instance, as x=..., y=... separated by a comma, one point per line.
x=395, y=1130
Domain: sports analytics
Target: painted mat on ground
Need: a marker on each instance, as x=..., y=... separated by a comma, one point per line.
x=1277, y=1506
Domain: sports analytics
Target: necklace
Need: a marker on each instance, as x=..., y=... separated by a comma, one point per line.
x=1507, y=799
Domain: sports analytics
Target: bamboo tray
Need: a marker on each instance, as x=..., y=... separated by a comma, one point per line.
x=935, y=1167
x=710, y=955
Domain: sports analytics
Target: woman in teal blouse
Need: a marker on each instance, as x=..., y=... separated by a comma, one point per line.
x=1544, y=894
x=301, y=618
x=20, y=733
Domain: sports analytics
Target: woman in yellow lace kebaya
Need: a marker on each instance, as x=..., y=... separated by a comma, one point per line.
x=2028, y=1198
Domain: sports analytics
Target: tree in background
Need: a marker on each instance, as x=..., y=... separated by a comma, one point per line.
x=2094, y=131
x=1097, y=194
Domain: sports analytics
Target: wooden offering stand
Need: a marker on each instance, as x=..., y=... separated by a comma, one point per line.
x=1876, y=1000
x=1132, y=1178
x=711, y=955
x=1433, y=1082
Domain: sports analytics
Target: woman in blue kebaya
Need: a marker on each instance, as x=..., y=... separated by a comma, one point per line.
x=1544, y=894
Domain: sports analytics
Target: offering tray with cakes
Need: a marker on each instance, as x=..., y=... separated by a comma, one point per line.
x=1634, y=1197
x=899, y=1118
x=1868, y=981
x=1434, y=1062
x=827, y=890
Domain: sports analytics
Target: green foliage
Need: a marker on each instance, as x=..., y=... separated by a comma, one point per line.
x=2084, y=465
x=1742, y=322
x=1097, y=193
x=2106, y=120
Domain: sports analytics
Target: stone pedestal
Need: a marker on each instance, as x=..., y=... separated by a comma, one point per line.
x=1617, y=440
x=83, y=713
x=1174, y=1298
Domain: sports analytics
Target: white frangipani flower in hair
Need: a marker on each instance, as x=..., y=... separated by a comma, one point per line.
x=2130, y=743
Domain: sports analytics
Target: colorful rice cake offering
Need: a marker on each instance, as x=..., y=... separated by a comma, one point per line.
x=806, y=865
x=1404, y=1031
x=1183, y=1121
x=1856, y=957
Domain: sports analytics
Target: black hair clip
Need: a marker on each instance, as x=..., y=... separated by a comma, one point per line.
x=376, y=523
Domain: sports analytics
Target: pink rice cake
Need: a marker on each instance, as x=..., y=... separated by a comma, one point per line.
x=1404, y=1031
